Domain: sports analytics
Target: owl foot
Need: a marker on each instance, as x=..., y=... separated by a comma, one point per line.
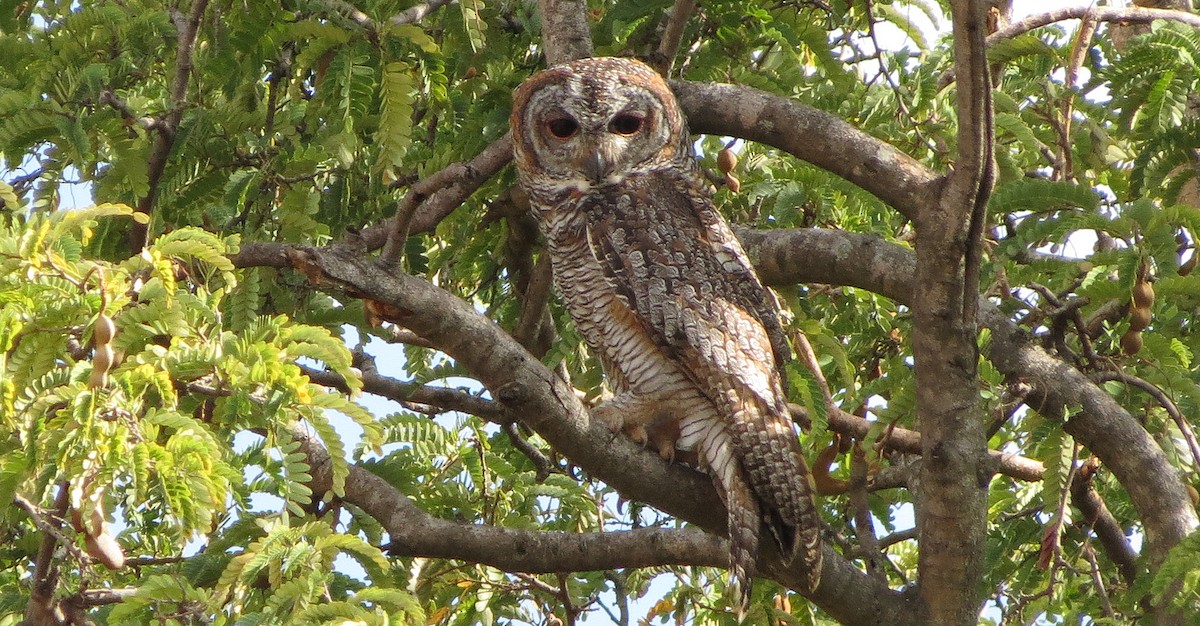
x=640, y=419
x=662, y=433
x=609, y=416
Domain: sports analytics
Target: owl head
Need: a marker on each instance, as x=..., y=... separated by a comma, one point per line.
x=594, y=122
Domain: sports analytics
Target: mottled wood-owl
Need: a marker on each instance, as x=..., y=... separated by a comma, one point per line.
x=660, y=289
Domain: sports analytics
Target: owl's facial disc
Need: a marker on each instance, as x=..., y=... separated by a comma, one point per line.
x=599, y=144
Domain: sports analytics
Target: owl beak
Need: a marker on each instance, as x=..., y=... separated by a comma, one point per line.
x=595, y=166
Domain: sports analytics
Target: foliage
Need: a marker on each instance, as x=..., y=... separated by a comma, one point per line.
x=181, y=434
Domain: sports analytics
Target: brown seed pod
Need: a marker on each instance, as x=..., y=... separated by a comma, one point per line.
x=102, y=361
x=733, y=183
x=1139, y=318
x=1131, y=342
x=104, y=548
x=104, y=330
x=726, y=161
x=1143, y=294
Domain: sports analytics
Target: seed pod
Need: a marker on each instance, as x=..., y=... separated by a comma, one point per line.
x=1131, y=342
x=104, y=330
x=102, y=361
x=1139, y=318
x=104, y=548
x=733, y=183
x=726, y=161
x=1143, y=294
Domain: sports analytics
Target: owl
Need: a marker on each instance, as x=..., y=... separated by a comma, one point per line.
x=660, y=289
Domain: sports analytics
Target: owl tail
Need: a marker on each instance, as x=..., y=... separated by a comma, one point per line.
x=745, y=520
x=780, y=478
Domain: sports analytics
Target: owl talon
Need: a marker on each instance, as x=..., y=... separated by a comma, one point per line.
x=608, y=417
x=637, y=433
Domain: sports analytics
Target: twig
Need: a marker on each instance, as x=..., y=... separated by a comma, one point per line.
x=110, y=98
x=400, y=391
x=533, y=303
x=618, y=580
x=1164, y=401
x=417, y=12
x=545, y=467
x=431, y=199
x=1126, y=15
x=1097, y=517
x=909, y=442
x=663, y=58
x=897, y=537
x=165, y=138
x=864, y=527
x=1098, y=580
x=804, y=351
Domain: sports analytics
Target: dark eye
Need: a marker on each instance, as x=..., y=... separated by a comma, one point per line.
x=626, y=124
x=562, y=127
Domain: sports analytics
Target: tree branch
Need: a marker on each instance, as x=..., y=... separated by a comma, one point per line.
x=1101, y=520
x=565, y=32
x=165, y=138
x=1128, y=15
x=400, y=391
x=417, y=12
x=815, y=136
x=445, y=191
x=1122, y=15
x=909, y=442
x=1163, y=400
x=788, y=257
x=664, y=57
x=550, y=407
x=414, y=532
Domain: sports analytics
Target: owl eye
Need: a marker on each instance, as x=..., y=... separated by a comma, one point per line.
x=562, y=127
x=626, y=124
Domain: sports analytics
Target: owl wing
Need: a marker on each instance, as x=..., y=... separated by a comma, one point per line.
x=671, y=258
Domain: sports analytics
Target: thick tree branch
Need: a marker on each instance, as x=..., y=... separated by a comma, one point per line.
x=565, y=32
x=413, y=532
x=549, y=406
x=820, y=138
x=951, y=501
x=788, y=257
